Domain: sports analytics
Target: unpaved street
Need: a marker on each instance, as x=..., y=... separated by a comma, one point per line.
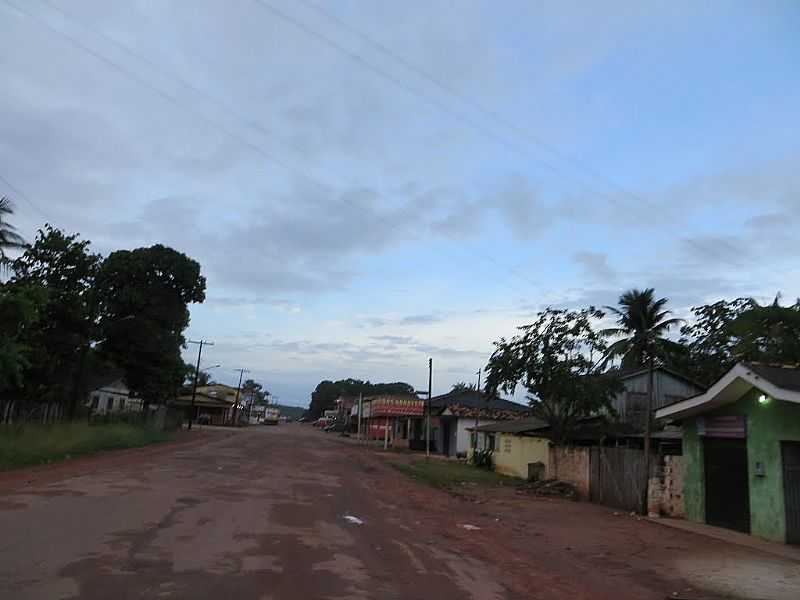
x=262, y=514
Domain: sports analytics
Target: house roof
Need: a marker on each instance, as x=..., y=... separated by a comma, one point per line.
x=781, y=382
x=677, y=374
x=472, y=400
x=516, y=426
x=104, y=377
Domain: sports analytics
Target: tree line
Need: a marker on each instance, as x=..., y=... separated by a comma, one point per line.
x=325, y=394
x=569, y=365
x=67, y=312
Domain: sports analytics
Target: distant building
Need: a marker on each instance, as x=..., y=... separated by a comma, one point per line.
x=109, y=394
x=454, y=414
x=214, y=403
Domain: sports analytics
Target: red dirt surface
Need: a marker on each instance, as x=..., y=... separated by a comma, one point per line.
x=261, y=514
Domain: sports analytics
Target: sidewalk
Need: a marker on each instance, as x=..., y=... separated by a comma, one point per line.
x=731, y=537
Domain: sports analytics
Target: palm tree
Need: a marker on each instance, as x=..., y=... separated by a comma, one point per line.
x=643, y=322
x=9, y=238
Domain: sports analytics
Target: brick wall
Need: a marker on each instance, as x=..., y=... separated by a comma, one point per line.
x=570, y=464
x=665, y=495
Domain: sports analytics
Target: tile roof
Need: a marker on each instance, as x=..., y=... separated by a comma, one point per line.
x=515, y=426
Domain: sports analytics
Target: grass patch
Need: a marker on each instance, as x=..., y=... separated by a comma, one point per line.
x=41, y=444
x=447, y=474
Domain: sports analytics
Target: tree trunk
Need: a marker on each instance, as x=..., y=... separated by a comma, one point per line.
x=647, y=433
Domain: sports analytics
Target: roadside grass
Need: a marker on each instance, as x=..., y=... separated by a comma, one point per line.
x=445, y=474
x=41, y=444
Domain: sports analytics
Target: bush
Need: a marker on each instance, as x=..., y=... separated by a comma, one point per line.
x=483, y=459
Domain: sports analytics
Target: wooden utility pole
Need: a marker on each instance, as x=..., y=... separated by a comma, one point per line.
x=236, y=402
x=428, y=410
x=360, y=408
x=200, y=343
x=477, y=412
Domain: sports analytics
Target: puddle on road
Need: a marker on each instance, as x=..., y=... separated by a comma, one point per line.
x=354, y=520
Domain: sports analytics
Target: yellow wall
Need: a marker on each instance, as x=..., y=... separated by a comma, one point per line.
x=513, y=453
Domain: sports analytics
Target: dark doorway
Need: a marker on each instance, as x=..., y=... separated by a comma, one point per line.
x=727, y=485
x=446, y=438
x=791, y=490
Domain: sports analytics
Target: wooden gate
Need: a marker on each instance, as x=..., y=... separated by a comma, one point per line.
x=616, y=477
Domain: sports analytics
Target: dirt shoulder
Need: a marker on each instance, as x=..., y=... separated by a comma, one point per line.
x=557, y=548
x=104, y=459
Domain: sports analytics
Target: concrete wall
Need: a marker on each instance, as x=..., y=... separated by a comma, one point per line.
x=117, y=392
x=767, y=425
x=570, y=464
x=513, y=453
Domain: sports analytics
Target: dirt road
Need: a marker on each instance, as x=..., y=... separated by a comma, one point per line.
x=291, y=513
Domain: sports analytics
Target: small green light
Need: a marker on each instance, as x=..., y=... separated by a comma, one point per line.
x=763, y=399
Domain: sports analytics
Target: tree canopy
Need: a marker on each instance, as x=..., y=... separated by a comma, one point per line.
x=143, y=305
x=554, y=358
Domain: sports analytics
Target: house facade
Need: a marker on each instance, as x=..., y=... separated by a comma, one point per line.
x=741, y=448
x=517, y=449
x=456, y=414
x=109, y=394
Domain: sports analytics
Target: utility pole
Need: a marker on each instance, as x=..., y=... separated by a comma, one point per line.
x=360, y=408
x=200, y=343
x=236, y=402
x=477, y=412
x=428, y=410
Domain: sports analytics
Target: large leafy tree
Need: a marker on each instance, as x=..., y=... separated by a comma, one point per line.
x=709, y=341
x=728, y=331
x=63, y=265
x=768, y=333
x=143, y=297
x=9, y=238
x=21, y=307
x=554, y=359
x=643, y=322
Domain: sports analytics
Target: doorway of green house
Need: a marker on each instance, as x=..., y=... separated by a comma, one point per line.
x=791, y=490
x=727, y=484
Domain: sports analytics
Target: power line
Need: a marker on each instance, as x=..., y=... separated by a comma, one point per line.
x=24, y=196
x=360, y=60
x=450, y=90
x=230, y=133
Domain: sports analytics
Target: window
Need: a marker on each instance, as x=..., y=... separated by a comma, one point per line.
x=95, y=401
x=507, y=444
x=110, y=403
x=122, y=403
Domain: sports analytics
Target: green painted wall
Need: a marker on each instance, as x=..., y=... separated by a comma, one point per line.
x=767, y=425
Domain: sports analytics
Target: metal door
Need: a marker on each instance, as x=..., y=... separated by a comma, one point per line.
x=727, y=484
x=791, y=490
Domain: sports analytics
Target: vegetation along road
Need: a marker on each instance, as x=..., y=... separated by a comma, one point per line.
x=290, y=512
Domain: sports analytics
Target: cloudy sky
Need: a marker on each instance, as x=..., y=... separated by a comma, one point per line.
x=368, y=184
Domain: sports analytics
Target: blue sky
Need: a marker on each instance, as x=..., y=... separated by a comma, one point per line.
x=354, y=217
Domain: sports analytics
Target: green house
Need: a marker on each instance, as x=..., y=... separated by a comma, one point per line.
x=741, y=448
